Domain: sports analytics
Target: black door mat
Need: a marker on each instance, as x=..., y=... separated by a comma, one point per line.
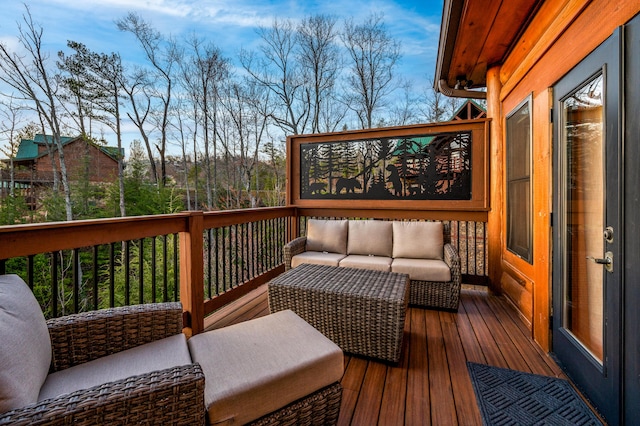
x=509, y=397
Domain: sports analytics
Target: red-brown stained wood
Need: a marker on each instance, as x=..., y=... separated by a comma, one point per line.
x=395, y=388
x=369, y=402
x=513, y=358
x=418, y=404
x=443, y=411
x=467, y=411
x=472, y=349
x=352, y=380
x=490, y=349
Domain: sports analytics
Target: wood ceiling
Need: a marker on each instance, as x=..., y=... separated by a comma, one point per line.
x=477, y=34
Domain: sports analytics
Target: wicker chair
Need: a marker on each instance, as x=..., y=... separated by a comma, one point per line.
x=170, y=396
x=174, y=395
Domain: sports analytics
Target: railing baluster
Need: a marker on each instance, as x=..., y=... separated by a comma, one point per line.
x=127, y=259
x=54, y=284
x=237, y=249
x=217, y=260
x=176, y=269
x=141, y=271
x=208, y=272
x=75, y=280
x=153, y=269
x=30, y=270
x=165, y=270
x=112, y=274
x=96, y=276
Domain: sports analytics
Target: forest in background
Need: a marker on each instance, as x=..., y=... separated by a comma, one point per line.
x=211, y=128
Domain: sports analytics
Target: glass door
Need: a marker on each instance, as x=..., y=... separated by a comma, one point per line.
x=586, y=276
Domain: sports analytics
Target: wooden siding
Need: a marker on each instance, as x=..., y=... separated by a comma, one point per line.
x=560, y=35
x=431, y=383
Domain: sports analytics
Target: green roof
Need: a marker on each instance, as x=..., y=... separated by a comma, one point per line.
x=28, y=149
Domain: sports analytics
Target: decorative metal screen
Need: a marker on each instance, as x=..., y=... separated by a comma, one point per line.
x=431, y=167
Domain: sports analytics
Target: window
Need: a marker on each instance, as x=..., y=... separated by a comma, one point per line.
x=518, y=167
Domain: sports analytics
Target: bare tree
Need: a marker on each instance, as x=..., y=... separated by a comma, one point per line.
x=11, y=117
x=136, y=89
x=404, y=110
x=162, y=55
x=202, y=74
x=29, y=75
x=279, y=72
x=373, y=57
x=246, y=108
x=320, y=61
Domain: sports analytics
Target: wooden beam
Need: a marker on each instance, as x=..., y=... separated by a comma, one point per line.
x=494, y=226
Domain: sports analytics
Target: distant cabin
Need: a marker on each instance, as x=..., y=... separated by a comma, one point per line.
x=84, y=160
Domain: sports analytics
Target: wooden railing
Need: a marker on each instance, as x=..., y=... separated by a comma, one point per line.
x=86, y=265
x=205, y=260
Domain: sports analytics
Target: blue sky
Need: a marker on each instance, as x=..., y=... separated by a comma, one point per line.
x=231, y=24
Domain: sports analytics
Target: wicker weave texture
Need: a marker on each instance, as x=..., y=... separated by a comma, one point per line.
x=83, y=337
x=171, y=396
x=168, y=397
x=319, y=408
x=441, y=295
x=362, y=311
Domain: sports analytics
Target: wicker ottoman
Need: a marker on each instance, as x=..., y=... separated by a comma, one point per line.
x=362, y=311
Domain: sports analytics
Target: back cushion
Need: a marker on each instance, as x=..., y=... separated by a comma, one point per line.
x=370, y=237
x=418, y=240
x=327, y=235
x=25, y=347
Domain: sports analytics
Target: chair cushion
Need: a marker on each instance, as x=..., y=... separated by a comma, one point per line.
x=155, y=356
x=370, y=237
x=376, y=263
x=327, y=235
x=418, y=240
x=422, y=269
x=25, y=346
x=259, y=366
x=316, y=258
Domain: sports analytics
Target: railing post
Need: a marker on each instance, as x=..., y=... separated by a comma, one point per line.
x=293, y=230
x=192, y=272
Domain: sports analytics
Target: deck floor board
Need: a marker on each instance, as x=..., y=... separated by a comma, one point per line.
x=430, y=384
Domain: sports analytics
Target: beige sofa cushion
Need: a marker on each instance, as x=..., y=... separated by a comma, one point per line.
x=155, y=356
x=327, y=235
x=316, y=258
x=376, y=263
x=370, y=237
x=258, y=366
x=25, y=346
x=422, y=269
x=418, y=240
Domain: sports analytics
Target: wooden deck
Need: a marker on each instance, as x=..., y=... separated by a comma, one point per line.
x=431, y=384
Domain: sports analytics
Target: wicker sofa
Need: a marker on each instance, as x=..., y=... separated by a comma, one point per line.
x=133, y=365
x=420, y=249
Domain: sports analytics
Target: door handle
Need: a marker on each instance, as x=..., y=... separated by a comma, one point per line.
x=607, y=261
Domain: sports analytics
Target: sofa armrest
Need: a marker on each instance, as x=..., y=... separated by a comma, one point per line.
x=452, y=259
x=83, y=337
x=293, y=248
x=173, y=396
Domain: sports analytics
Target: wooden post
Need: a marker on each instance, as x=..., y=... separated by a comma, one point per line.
x=192, y=273
x=494, y=226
